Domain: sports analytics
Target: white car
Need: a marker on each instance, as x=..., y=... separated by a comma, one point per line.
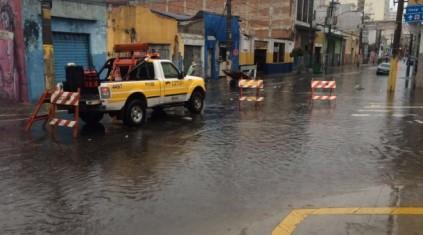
x=383, y=68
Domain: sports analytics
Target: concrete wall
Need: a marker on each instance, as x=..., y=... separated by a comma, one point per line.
x=260, y=18
x=376, y=8
x=191, y=27
x=349, y=21
x=246, y=50
x=68, y=17
x=149, y=27
x=13, y=84
x=351, y=49
x=372, y=36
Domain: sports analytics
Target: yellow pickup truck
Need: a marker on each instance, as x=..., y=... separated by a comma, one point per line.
x=151, y=83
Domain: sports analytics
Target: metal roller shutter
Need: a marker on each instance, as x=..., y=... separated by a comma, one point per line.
x=69, y=48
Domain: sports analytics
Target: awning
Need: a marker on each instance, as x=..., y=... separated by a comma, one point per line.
x=306, y=28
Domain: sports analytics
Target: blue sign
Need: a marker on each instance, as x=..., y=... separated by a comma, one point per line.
x=414, y=9
x=414, y=17
x=413, y=13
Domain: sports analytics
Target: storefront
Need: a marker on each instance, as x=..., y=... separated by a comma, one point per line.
x=79, y=36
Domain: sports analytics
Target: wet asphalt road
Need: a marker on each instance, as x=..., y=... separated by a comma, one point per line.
x=228, y=171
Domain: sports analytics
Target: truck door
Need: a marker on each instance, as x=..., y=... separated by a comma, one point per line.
x=175, y=89
x=150, y=85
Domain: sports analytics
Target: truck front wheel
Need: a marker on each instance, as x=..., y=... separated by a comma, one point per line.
x=91, y=118
x=134, y=113
x=196, y=102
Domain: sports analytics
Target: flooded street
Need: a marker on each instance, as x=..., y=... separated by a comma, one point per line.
x=228, y=171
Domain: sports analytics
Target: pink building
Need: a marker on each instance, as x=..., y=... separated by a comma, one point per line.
x=13, y=83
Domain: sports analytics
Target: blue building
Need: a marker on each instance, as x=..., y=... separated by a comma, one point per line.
x=215, y=43
x=205, y=34
x=79, y=36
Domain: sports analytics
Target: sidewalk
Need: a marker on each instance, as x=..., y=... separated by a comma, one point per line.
x=11, y=110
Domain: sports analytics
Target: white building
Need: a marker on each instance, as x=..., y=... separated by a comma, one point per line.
x=376, y=10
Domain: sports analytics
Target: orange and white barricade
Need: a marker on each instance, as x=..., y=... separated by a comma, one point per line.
x=44, y=99
x=257, y=85
x=323, y=90
x=63, y=98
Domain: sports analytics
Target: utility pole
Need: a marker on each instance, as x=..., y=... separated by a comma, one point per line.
x=410, y=52
x=329, y=21
x=395, y=48
x=311, y=35
x=228, y=32
x=379, y=41
x=361, y=47
x=49, y=81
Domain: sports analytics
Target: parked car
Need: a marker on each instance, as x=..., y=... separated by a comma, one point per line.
x=383, y=68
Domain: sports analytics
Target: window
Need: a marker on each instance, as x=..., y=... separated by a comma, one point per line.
x=170, y=70
x=311, y=13
x=162, y=49
x=278, y=52
x=305, y=10
x=143, y=72
x=300, y=7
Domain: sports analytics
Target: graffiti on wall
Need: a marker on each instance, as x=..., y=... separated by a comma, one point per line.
x=31, y=34
x=11, y=58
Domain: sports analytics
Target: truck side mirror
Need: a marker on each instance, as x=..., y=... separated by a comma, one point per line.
x=181, y=75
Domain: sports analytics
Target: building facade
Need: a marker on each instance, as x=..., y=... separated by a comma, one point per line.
x=266, y=27
x=342, y=43
x=203, y=38
x=13, y=84
x=375, y=10
x=79, y=36
x=138, y=24
x=304, y=29
x=416, y=30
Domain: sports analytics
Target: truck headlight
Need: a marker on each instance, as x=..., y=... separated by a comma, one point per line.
x=104, y=92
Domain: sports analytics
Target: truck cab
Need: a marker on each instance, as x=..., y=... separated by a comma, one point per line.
x=131, y=85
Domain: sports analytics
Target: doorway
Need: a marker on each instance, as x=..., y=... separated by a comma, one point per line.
x=192, y=54
x=260, y=58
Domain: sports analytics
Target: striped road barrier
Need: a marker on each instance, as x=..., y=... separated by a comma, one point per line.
x=255, y=85
x=320, y=90
x=62, y=98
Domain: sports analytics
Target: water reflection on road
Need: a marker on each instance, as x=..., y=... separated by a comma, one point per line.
x=228, y=171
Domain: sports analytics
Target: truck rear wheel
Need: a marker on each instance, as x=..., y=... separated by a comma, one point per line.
x=134, y=113
x=91, y=117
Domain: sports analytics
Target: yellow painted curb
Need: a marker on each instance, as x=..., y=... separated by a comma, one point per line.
x=288, y=225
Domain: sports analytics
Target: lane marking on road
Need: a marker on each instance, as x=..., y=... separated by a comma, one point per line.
x=376, y=110
x=401, y=115
x=419, y=121
x=295, y=217
x=404, y=115
x=360, y=115
x=392, y=107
